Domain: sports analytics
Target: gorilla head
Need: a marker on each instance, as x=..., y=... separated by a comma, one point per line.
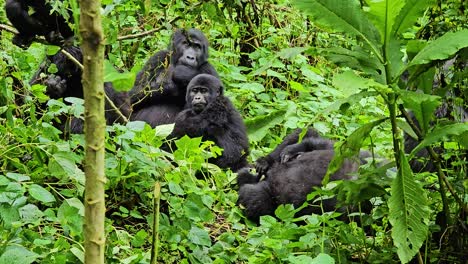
x=202, y=90
x=189, y=48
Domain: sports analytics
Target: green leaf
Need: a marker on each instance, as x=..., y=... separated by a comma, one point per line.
x=259, y=126
x=62, y=164
x=422, y=106
x=41, y=194
x=408, y=212
x=409, y=15
x=343, y=16
x=323, y=258
x=120, y=81
x=18, y=176
x=383, y=14
x=199, y=236
x=18, y=254
x=30, y=213
x=350, y=148
x=439, y=133
x=442, y=48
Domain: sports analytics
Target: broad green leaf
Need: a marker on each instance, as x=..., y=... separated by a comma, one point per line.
x=120, y=81
x=422, y=106
x=17, y=254
x=323, y=258
x=383, y=14
x=350, y=83
x=409, y=15
x=408, y=212
x=351, y=147
x=358, y=59
x=30, y=213
x=439, y=133
x=17, y=176
x=343, y=16
x=259, y=126
x=442, y=48
x=41, y=194
x=62, y=164
x=199, y=236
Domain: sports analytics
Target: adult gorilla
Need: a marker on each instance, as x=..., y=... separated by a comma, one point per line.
x=290, y=183
x=160, y=87
x=42, y=22
x=66, y=82
x=212, y=116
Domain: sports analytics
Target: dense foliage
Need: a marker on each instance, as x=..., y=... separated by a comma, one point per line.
x=285, y=65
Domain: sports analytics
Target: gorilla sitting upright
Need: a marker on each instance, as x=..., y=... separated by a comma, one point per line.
x=294, y=169
x=211, y=115
x=160, y=87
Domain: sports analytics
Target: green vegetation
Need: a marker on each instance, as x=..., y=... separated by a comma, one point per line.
x=348, y=68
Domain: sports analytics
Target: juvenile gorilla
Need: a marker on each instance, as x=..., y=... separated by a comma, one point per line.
x=291, y=147
x=290, y=183
x=66, y=82
x=42, y=22
x=211, y=115
x=160, y=87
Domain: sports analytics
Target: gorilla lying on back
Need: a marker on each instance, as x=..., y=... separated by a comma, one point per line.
x=291, y=147
x=66, y=82
x=211, y=115
x=160, y=87
x=294, y=169
x=42, y=22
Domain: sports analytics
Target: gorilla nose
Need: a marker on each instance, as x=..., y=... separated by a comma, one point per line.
x=190, y=58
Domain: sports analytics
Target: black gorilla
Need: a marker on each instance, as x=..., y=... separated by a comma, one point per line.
x=160, y=87
x=42, y=22
x=211, y=115
x=66, y=82
x=291, y=147
x=290, y=183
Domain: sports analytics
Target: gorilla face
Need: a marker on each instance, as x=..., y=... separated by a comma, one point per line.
x=190, y=48
x=201, y=91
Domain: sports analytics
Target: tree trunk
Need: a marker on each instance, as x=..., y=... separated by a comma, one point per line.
x=95, y=124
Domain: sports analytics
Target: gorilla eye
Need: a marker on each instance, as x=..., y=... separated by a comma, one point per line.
x=197, y=45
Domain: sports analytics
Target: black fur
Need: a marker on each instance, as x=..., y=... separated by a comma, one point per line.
x=41, y=22
x=211, y=115
x=160, y=87
x=290, y=183
x=290, y=148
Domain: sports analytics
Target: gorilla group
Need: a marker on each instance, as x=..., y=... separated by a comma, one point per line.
x=291, y=171
x=211, y=115
x=42, y=22
x=66, y=82
x=160, y=87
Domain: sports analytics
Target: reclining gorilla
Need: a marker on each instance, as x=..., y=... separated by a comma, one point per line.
x=43, y=22
x=211, y=115
x=66, y=82
x=294, y=169
x=160, y=87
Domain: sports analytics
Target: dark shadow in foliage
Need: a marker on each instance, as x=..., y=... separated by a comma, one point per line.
x=160, y=87
x=211, y=115
x=41, y=21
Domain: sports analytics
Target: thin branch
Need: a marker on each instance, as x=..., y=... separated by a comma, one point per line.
x=149, y=32
x=8, y=28
x=74, y=60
